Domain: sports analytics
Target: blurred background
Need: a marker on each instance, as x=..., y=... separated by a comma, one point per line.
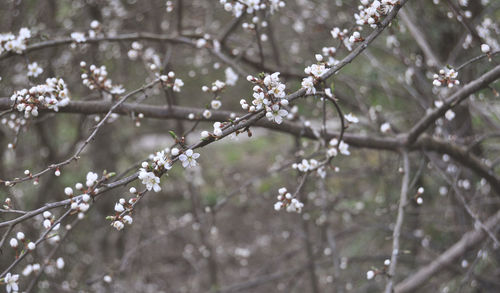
x=214, y=228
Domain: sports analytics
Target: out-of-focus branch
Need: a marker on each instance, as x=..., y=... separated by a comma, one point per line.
x=468, y=241
x=419, y=38
x=399, y=223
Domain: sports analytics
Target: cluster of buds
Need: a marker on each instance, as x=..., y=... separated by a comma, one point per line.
x=94, y=31
x=123, y=211
x=30, y=269
x=306, y=165
x=337, y=33
x=49, y=220
x=418, y=196
x=217, y=130
x=329, y=53
x=97, y=78
x=374, y=271
x=269, y=94
x=136, y=51
x=335, y=147
x=26, y=244
x=13, y=122
x=51, y=95
x=169, y=6
x=288, y=202
x=447, y=77
x=81, y=203
x=355, y=37
x=7, y=204
x=12, y=43
x=216, y=87
x=238, y=7
x=371, y=12
x=169, y=80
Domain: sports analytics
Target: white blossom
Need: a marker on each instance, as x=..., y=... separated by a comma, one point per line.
x=127, y=219
x=150, y=180
x=91, y=179
x=308, y=84
x=34, y=70
x=178, y=83
x=119, y=208
x=78, y=37
x=231, y=76
x=188, y=159
x=343, y=147
x=450, y=115
x=485, y=48
x=351, y=118
x=274, y=113
x=385, y=127
x=60, y=263
x=118, y=225
x=13, y=242
x=11, y=282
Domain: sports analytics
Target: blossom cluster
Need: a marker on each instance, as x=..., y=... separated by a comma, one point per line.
x=30, y=268
x=489, y=31
x=288, y=202
x=51, y=95
x=13, y=122
x=231, y=76
x=26, y=244
x=447, y=77
x=238, y=7
x=169, y=80
x=81, y=203
x=342, y=34
x=342, y=147
x=371, y=12
x=150, y=173
x=123, y=210
x=269, y=94
x=329, y=54
x=94, y=31
x=216, y=87
x=315, y=72
x=306, y=165
x=12, y=43
x=97, y=78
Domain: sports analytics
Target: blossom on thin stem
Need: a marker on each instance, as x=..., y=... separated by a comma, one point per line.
x=288, y=202
x=188, y=159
